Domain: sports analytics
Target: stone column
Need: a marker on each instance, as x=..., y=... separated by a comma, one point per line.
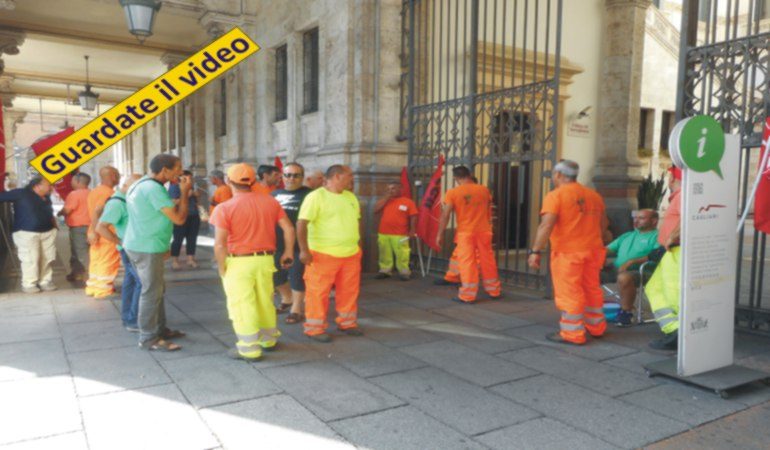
x=618, y=169
x=171, y=60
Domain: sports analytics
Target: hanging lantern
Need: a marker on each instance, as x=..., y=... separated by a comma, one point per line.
x=88, y=98
x=140, y=16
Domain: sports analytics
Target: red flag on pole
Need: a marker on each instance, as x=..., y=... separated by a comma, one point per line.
x=406, y=188
x=2, y=151
x=430, y=209
x=762, y=198
x=277, y=163
x=64, y=186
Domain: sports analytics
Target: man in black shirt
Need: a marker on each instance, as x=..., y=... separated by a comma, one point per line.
x=34, y=233
x=289, y=282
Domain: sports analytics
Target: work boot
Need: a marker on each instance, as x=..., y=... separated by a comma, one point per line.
x=323, y=337
x=624, y=319
x=443, y=282
x=355, y=331
x=30, y=290
x=667, y=342
x=234, y=354
x=381, y=276
x=556, y=337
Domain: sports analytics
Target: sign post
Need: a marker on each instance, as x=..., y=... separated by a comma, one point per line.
x=709, y=247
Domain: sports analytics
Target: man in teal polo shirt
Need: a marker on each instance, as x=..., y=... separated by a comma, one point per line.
x=115, y=217
x=151, y=216
x=631, y=250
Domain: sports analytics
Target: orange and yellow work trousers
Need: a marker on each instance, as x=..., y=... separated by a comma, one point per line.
x=453, y=271
x=474, y=250
x=578, y=294
x=248, y=284
x=325, y=271
x=104, y=263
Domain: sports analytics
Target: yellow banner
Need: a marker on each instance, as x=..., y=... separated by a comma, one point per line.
x=145, y=104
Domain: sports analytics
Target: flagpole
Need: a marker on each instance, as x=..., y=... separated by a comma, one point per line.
x=419, y=255
x=430, y=255
x=760, y=170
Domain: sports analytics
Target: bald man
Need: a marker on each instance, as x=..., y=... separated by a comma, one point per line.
x=314, y=179
x=104, y=256
x=112, y=227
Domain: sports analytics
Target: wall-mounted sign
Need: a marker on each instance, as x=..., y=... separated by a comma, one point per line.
x=579, y=128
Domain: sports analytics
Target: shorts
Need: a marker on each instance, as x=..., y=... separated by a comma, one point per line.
x=293, y=274
x=611, y=275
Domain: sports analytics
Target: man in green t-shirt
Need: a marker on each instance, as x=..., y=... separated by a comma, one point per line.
x=631, y=250
x=112, y=227
x=329, y=246
x=151, y=216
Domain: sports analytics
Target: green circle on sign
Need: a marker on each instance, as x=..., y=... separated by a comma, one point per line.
x=702, y=144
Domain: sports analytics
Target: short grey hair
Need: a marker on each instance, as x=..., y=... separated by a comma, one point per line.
x=569, y=169
x=217, y=174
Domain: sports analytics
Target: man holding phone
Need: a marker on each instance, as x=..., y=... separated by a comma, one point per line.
x=244, y=246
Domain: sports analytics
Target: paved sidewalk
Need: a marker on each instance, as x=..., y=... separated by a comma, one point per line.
x=428, y=374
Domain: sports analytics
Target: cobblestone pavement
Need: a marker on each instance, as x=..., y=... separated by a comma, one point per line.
x=428, y=374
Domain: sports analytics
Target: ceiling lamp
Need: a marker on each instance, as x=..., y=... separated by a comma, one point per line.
x=88, y=98
x=140, y=16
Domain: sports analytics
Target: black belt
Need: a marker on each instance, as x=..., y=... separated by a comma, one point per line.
x=259, y=253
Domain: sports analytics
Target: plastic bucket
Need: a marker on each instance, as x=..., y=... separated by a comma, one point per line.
x=611, y=311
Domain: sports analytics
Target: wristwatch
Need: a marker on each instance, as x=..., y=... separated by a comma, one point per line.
x=533, y=252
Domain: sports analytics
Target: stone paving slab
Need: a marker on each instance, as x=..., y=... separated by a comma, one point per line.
x=543, y=434
x=457, y=403
x=23, y=359
x=378, y=362
x=31, y=328
x=102, y=371
x=330, y=391
x=683, y=403
x=478, y=368
x=481, y=317
x=25, y=307
x=598, y=377
x=38, y=407
x=391, y=333
x=214, y=321
x=160, y=417
x=478, y=338
x=197, y=342
x=614, y=421
x=277, y=421
x=89, y=311
x=408, y=315
x=403, y=428
x=595, y=349
x=105, y=334
x=68, y=441
x=216, y=379
x=635, y=362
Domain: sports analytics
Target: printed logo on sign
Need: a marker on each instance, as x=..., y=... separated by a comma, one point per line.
x=706, y=213
x=699, y=325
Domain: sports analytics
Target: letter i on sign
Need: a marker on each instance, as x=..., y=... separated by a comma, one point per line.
x=702, y=144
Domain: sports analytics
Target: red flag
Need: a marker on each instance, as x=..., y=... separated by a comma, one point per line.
x=762, y=198
x=2, y=151
x=406, y=188
x=277, y=163
x=430, y=209
x=64, y=186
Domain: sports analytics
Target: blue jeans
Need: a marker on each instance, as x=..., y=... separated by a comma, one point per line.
x=132, y=288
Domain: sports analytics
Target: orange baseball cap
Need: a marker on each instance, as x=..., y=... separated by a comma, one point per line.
x=242, y=174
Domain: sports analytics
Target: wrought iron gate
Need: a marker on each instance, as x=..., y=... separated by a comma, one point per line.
x=724, y=72
x=481, y=87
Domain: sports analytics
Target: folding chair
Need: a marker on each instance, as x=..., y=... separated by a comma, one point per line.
x=649, y=268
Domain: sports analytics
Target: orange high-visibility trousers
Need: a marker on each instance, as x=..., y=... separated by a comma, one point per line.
x=325, y=271
x=453, y=271
x=578, y=294
x=102, y=269
x=474, y=249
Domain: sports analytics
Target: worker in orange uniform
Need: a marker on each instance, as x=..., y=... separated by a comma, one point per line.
x=329, y=243
x=222, y=193
x=244, y=245
x=268, y=179
x=104, y=255
x=75, y=212
x=573, y=217
x=472, y=204
x=397, y=224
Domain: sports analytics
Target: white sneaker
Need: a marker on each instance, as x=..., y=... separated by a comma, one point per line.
x=48, y=287
x=30, y=290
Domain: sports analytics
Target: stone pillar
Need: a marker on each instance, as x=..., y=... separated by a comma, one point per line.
x=618, y=169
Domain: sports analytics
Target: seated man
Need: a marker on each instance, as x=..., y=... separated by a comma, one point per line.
x=631, y=250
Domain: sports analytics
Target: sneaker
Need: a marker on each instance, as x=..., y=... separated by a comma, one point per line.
x=48, y=287
x=556, y=337
x=132, y=328
x=381, y=276
x=443, y=282
x=30, y=290
x=667, y=342
x=323, y=337
x=624, y=319
x=355, y=331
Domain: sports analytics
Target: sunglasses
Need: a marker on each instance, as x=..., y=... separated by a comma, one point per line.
x=293, y=175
